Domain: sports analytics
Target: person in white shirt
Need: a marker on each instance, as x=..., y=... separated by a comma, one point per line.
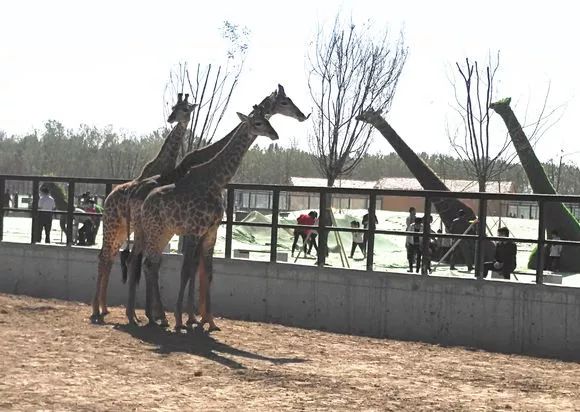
x=555, y=252
x=357, y=239
x=45, y=207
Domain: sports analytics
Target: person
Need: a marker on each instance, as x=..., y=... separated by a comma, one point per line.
x=431, y=248
x=6, y=201
x=553, y=261
x=413, y=244
x=411, y=218
x=505, y=256
x=365, y=223
x=464, y=248
x=311, y=234
x=305, y=234
x=357, y=239
x=46, y=205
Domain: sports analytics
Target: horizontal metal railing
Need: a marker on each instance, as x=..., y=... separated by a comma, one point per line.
x=324, y=194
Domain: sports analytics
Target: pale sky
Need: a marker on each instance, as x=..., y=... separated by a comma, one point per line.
x=107, y=62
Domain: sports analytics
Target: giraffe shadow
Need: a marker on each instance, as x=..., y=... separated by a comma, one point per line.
x=198, y=343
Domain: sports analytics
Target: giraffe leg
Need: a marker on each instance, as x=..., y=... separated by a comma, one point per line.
x=205, y=278
x=151, y=265
x=190, y=261
x=113, y=233
x=134, y=273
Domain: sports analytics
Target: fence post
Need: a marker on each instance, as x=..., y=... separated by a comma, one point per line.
x=322, y=237
x=425, y=251
x=274, y=231
x=481, y=228
x=108, y=189
x=371, y=232
x=69, y=213
x=35, y=197
x=229, y=221
x=2, y=190
x=540, y=255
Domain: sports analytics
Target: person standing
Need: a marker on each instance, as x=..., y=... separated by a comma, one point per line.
x=555, y=252
x=46, y=206
x=505, y=256
x=357, y=239
x=413, y=245
x=306, y=234
x=411, y=218
x=365, y=223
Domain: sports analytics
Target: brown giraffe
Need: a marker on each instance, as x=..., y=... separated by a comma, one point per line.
x=116, y=225
x=193, y=206
x=276, y=103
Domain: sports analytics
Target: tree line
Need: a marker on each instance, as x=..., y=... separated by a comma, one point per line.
x=92, y=152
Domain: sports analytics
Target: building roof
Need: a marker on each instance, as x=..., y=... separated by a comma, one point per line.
x=405, y=183
x=319, y=182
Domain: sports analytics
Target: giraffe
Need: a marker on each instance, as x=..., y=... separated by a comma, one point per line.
x=276, y=103
x=116, y=224
x=192, y=206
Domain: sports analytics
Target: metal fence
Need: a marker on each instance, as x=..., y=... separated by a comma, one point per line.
x=276, y=192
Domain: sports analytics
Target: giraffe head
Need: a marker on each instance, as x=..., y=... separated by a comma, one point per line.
x=258, y=125
x=284, y=105
x=182, y=110
x=368, y=115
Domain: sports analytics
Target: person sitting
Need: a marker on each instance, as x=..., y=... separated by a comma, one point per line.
x=505, y=256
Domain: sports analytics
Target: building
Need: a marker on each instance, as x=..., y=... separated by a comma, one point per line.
x=262, y=200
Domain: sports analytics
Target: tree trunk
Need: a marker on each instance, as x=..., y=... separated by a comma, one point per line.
x=557, y=216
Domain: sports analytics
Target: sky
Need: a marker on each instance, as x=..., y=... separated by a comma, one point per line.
x=107, y=62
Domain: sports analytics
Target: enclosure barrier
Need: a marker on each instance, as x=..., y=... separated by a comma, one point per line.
x=324, y=228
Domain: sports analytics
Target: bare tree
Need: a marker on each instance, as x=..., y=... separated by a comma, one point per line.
x=486, y=157
x=349, y=70
x=210, y=86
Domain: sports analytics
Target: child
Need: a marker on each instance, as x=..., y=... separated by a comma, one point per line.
x=357, y=239
x=555, y=252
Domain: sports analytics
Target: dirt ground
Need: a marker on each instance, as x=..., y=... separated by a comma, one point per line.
x=52, y=358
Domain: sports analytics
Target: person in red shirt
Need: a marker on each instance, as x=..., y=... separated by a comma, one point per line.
x=305, y=234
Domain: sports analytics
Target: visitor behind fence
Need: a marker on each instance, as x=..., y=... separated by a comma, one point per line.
x=305, y=234
x=46, y=205
x=505, y=256
x=413, y=245
x=554, y=252
x=365, y=223
x=357, y=239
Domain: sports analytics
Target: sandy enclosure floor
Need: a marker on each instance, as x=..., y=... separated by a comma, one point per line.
x=51, y=358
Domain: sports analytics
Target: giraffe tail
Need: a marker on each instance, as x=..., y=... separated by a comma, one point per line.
x=125, y=256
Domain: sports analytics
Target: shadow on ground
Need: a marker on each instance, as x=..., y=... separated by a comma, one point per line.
x=196, y=342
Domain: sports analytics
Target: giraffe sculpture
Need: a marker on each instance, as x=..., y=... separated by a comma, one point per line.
x=276, y=103
x=193, y=206
x=116, y=224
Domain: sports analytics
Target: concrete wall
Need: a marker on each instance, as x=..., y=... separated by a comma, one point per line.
x=494, y=315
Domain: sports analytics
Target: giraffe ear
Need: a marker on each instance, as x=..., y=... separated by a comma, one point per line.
x=281, y=90
x=242, y=116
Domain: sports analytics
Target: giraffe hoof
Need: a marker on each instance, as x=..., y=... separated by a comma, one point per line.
x=214, y=328
x=105, y=312
x=97, y=319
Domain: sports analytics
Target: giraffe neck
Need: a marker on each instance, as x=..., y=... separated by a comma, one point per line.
x=165, y=160
x=422, y=172
x=220, y=170
x=199, y=156
x=534, y=170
